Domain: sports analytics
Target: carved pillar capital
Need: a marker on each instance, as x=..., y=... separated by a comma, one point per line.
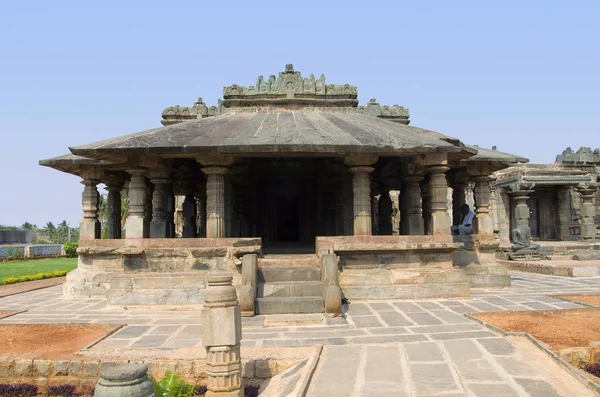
x=215, y=160
x=359, y=159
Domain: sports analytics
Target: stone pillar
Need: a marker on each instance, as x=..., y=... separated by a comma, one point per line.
x=361, y=198
x=438, y=191
x=484, y=224
x=459, y=196
x=89, y=228
x=202, y=218
x=189, y=214
x=114, y=212
x=385, y=213
x=348, y=207
x=170, y=213
x=494, y=207
x=520, y=207
x=339, y=214
x=228, y=207
x=374, y=215
x=565, y=212
x=395, y=197
x=148, y=209
x=221, y=336
x=588, y=212
x=414, y=212
x=160, y=197
x=469, y=194
x=215, y=201
x=135, y=226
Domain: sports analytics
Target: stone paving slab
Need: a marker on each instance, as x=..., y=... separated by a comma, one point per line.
x=392, y=348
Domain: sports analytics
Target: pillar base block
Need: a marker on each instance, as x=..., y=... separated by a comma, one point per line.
x=135, y=227
x=89, y=230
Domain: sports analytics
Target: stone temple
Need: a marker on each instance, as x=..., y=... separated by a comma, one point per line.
x=295, y=190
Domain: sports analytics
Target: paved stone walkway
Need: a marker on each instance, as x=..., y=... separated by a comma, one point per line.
x=392, y=348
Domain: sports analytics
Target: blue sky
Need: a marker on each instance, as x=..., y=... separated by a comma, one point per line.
x=523, y=76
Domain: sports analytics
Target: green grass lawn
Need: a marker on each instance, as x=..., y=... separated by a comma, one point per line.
x=30, y=268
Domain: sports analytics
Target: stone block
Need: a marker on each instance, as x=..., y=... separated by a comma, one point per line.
x=41, y=368
x=75, y=367
x=60, y=368
x=209, y=252
x=310, y=304
x=265, y=369
x=186, y=370
x=23, y=368
x=364, y=277
x=456, y=276
x=580, y=355
x=492, y=390
x=91, y=368
x=405, y=276
x=248, y=369
x=226, y=329
x=584, y=271
x=433, y=378
x=6, y=369
x=538, y=388
x=199, y=369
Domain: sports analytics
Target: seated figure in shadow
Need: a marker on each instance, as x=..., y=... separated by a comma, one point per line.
x=522, y=245
x=466, y=226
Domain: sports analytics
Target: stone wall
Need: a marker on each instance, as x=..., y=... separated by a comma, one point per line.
x=84, y=372
x=33, y=251
x=168, y=272
x=403, y=267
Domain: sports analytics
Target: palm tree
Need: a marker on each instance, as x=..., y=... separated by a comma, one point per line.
x=103, y=213
x=124, y=207
x=50, y=230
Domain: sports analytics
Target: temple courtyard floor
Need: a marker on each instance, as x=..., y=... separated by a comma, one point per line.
x=380, y=348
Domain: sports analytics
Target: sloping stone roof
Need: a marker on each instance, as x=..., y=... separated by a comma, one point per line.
x=70, y=163
x=493, y=155
x=294, y=131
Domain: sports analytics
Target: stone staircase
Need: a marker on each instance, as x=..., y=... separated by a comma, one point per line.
x=289, y=284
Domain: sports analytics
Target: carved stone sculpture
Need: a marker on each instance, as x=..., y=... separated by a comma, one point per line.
x=124, y=380
x=221, y=336
x=522, y=247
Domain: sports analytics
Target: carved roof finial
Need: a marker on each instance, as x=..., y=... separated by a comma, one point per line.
x=289, y=68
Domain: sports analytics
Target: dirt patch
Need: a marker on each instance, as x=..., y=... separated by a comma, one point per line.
x=559, y=329
x=48, y=341
x=592, y=300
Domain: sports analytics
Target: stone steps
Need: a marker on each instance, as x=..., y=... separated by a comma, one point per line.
x=289, y=284
x=307, y=304
x=274, y=274
x=289, y=289
x=287, y=260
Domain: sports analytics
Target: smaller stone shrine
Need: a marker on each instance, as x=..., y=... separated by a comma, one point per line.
x=558, y=202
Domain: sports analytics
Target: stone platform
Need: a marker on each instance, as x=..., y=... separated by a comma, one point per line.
x=558, y=267
x=132, y=272
x=379, y=348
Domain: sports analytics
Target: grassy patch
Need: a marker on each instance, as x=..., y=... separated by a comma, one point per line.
x=31, y=268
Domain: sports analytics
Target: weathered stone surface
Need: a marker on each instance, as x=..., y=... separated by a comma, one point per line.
x=124, y=380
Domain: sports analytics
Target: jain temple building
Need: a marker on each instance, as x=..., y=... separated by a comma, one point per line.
x=306, y=198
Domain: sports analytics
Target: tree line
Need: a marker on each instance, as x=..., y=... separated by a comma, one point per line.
x=64, y=233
